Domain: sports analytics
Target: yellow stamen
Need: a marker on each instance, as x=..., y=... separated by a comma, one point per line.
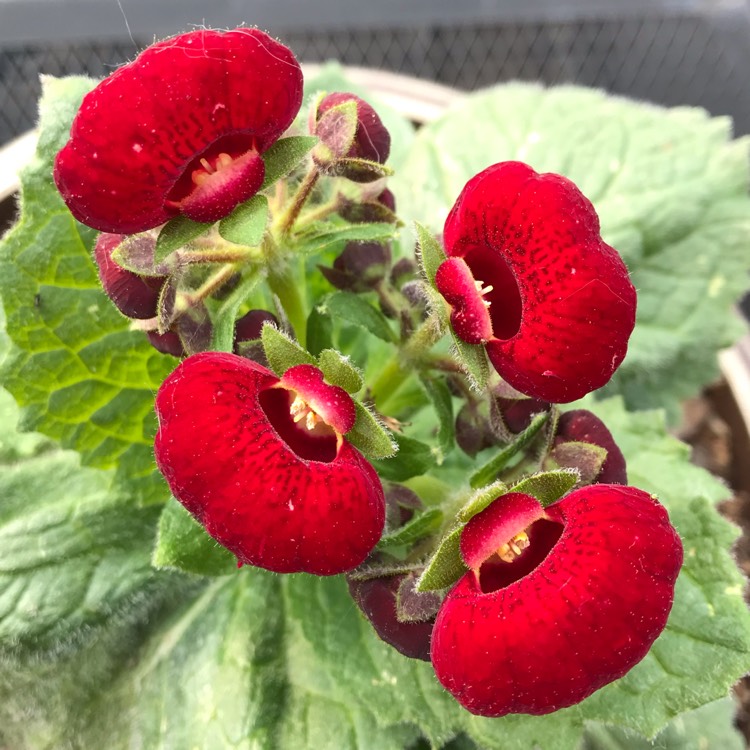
x=511, y=550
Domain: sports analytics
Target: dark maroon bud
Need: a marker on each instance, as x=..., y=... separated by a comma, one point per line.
x=388, y=199
x=360, y=267
x=167, y=343
x=400, y=505
x=133, y=295
x=404, y=270
x=473, y=432
x=377, y=598
x=512, y=411
x=582, y=426
x=249, y=326
x=372, y=141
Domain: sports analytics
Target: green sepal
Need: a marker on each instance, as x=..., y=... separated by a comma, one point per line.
x=320, y=235
x=430, y=253
x=166, y=305
x=369, y=436
x=480, y=500
x=281, y=352
x=339, y=370
x=284, y=156
x=351, y=308
x=587, y=458
x=417, y=528
x=446, y=566
x=222, y=339
x=362, y=168
x=246, y=225
x=136, y=254
x=497, y=463
x=437, y=391
x=183, y=544
x=548, y=486
x=175, y=234
x=414, y=458
x=336, y=128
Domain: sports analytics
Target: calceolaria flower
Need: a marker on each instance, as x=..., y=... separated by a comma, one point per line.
x=180, y=130
x=559, y=601
x=263, y=464
x=529, y=276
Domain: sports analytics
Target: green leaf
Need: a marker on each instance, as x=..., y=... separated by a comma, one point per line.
x=222, y=336
x=246, y=225
x=369, y=436
x=79, y=374
x=481, y=499
x=413, y=459
x=351, y=308
x=446, y=565
x=430, y=253
x=710, y=727
x=440, y=396
x=71, y=556
x=284, y=156
x=176, y=233
x=417, y=528
x=669, y=185
x=319, y=332
x=281, y=352
x=323, y=235
x=340, y=371
x=548, y=486
x=488, y=472
x=183, y=544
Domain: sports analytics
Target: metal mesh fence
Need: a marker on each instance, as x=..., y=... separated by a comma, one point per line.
x=684, y=59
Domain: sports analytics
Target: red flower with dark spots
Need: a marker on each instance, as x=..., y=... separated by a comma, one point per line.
x=558, y=602
x=180, y=130
x=262, y=463
x=529, y=276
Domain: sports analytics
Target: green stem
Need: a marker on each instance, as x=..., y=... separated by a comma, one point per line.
x=235, y=254
x=287, y=220
x=319, y=213
x=210, y=285
x=285, y=286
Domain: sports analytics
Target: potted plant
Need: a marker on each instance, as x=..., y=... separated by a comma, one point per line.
x=280, y=481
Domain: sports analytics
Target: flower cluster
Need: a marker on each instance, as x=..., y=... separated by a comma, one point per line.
x=530, y=584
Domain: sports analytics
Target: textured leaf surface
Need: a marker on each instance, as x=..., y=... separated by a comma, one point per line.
x=80, y=375
x=670, y=189
x=257, y=660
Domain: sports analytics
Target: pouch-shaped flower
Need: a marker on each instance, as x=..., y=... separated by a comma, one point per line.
x=262, y=463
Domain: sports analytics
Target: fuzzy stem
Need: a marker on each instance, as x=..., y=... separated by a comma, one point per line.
x=321, y=212
x=287, y=220
x=211, y=284
x=235, y=254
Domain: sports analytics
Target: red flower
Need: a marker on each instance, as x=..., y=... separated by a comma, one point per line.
x=179, y=130
x=262, y=464
x=559, y=602
x=530, y=277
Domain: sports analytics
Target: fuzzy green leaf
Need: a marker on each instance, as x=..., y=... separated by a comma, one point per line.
x=78, y=373
x=446, y=565
x=417, y=528
x=669, y=185
x=440, y=396
x=176, y=233
x=351, y=308
x=340, y=371
x=488, y=472
x=281, y=352
x=369, y=436
x=183, y=544
x=430, y=253
x=548, y=486
x=481, y=499
x=413, y=458
x=246, y=225
x=324, y=235
x=284, y=156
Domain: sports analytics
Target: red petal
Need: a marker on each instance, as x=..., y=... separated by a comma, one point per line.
x=582, y=618
x=496, y=525
x=140, y=131
x=562, y=305
x=227, y=464
x=470, y=317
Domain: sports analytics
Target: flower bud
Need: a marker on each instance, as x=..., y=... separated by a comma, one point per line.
x=360, y=267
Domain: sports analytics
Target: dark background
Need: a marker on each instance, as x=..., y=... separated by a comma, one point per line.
x=671, y=52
